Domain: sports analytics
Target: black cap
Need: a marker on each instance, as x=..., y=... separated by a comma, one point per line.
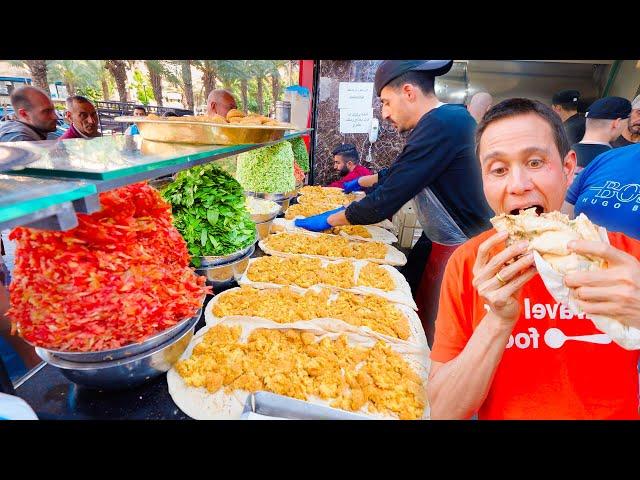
x=390, y=69
x=566, y=96
x=609, y=108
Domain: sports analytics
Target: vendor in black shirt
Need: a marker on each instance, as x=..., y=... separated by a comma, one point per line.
x=605, y=121
x=437, y=168
x=565, y=104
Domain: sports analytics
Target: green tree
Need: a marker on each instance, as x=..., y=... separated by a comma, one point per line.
x=143, y=87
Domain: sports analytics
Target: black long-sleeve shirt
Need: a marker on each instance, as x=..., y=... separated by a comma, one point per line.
x=440, y=154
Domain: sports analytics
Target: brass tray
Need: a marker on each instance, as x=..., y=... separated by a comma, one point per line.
x=204, y=133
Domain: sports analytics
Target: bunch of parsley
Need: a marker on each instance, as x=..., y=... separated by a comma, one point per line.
x=209, y=211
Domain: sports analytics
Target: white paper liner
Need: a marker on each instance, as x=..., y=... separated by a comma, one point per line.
x=625, y=336
x=416, y=331
x=378, y=234
x=393, y=256
x=199, y=404
x=401, y=293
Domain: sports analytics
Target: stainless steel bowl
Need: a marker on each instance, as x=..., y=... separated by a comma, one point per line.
x=128, y=351
x=126, y=372
x=220, y=276
x=276, y=197
x=264, y=228
x=211, y=260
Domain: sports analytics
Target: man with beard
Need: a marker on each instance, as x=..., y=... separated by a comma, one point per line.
x=631, y=134
x=35, y=116
x=437, y=168
x=346, y=162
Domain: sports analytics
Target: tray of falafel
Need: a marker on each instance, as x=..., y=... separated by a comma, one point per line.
x=234, y=129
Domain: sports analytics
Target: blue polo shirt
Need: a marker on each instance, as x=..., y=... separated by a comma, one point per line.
x=608, y=191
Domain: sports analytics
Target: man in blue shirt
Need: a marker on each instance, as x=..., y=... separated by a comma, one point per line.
x=608, y=191
x=138, y=111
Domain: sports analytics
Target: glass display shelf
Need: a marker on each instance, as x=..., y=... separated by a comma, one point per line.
x=29, y=200
x=66, y=176
x=124, y=157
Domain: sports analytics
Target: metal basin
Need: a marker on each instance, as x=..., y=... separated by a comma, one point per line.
x=211, y=260
x=127, y=372
x=203, y=133
x=125, y=352
x=220, y=276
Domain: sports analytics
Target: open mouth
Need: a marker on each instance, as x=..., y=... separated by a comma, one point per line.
x=539, y=210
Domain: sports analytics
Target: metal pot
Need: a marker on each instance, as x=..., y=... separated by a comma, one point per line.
x=127, y=372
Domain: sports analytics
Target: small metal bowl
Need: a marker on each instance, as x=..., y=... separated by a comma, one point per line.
x=220, y=276
x=128, y=351
x=264, y=228
x=127, y=372
x=211, y=260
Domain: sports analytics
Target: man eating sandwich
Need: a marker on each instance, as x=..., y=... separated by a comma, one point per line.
x=490, y=355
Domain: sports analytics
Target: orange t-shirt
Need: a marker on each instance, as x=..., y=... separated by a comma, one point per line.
x=578, y=380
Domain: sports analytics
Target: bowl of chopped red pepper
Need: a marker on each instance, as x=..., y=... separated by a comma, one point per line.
x=118, y=282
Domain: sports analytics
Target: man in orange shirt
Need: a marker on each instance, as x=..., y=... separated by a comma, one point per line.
x=489, y=355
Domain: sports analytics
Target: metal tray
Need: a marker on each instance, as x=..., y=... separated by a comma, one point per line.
x=273, y=405
x=204, y=133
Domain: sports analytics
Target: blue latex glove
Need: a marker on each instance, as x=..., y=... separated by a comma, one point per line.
x=317, y=223
x=352, y=186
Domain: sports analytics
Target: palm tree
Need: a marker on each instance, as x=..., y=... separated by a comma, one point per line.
x=118, y=69
x=73, y=73
x=98, y=71
x=276, y=65
x=187, y=84
x=155, y=69
x=260, y=69
x=38, y=70
x=209, y=74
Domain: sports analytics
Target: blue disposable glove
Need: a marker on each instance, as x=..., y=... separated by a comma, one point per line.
x=352, y=186
x=317, y=223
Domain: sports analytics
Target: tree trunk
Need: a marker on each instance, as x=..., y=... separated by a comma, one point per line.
x=38, y=69
x=156, y=83
x=209, y=77
x=187, y=83
x=118, y=68
x=105, y=88
x=259, y=94
x=244, y=87
x=71, y=88
x=275, y=87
